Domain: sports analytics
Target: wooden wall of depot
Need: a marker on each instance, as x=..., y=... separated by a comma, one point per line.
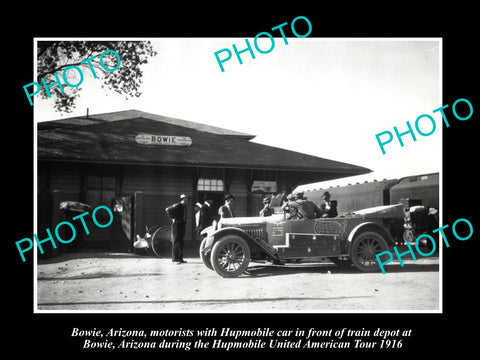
x=156, y=187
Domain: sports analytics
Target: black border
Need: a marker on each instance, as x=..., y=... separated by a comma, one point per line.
x=433, y=334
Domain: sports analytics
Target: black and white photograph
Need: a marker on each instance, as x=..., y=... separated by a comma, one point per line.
x=273, y=132
x=279, y=188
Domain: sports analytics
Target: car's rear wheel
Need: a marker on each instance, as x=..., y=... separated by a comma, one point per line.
x=364, y=248
x=230, y=256
x=205, y=258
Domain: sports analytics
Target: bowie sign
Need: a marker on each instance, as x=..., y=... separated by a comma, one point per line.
x=148, y=139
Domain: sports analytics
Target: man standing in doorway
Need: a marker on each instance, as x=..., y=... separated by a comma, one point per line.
x=197, y=208
x=226, y=210
x=178, y=213
x=206, y=214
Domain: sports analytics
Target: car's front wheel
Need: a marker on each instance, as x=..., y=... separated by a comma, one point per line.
x=364, y=248
x=230, y=256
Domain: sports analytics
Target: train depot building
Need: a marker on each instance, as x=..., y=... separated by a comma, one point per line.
x=139, y=163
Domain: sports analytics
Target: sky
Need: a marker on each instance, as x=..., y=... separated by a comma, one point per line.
x=324, y=97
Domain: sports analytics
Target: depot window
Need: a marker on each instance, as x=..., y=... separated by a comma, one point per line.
x=100, y=190
x=264, y=181
x=211, y=180
x=210, y=185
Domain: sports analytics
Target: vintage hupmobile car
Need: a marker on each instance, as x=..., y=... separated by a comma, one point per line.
x=231, y=244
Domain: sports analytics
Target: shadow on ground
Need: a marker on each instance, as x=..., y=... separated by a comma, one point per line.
x=261, y=270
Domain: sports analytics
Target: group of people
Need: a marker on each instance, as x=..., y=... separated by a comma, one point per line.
x=294, y=205
x=204, y=218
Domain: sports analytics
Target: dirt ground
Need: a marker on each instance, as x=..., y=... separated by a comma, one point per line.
x=132, y=283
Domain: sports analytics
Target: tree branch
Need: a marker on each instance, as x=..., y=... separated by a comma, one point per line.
x=53, y=71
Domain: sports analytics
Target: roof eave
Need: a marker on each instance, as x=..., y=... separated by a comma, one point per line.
x=352, y=172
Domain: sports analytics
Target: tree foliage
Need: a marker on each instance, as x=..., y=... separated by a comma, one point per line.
x=55, y=56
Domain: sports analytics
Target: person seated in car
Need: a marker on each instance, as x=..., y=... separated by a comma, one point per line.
x=267, y=209
x=290, y=212
x=303, y=208
x=328, y=207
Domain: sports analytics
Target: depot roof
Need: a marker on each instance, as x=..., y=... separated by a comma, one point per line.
x=132, y=114
x=113, y=138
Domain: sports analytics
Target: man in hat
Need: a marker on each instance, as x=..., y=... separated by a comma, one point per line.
x=291, y=212
x=328, y=207
x=267, y=209
x=303, y=208
x=178, y=213
x=206, y=214
x=226, y=211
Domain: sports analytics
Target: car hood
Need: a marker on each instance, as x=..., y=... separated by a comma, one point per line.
x=252, y=220
x=385, y=211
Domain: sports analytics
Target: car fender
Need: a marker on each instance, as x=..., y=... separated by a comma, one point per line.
x=370, y=226
x=207, y=230
x=213, y=238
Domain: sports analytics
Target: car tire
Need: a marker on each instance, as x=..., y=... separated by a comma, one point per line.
x=230, y=256
x=364, y=248
x=205, y=258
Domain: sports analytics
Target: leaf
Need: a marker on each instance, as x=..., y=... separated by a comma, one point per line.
x=55, y=56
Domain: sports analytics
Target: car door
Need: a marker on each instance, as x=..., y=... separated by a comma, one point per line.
x=302, y=241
